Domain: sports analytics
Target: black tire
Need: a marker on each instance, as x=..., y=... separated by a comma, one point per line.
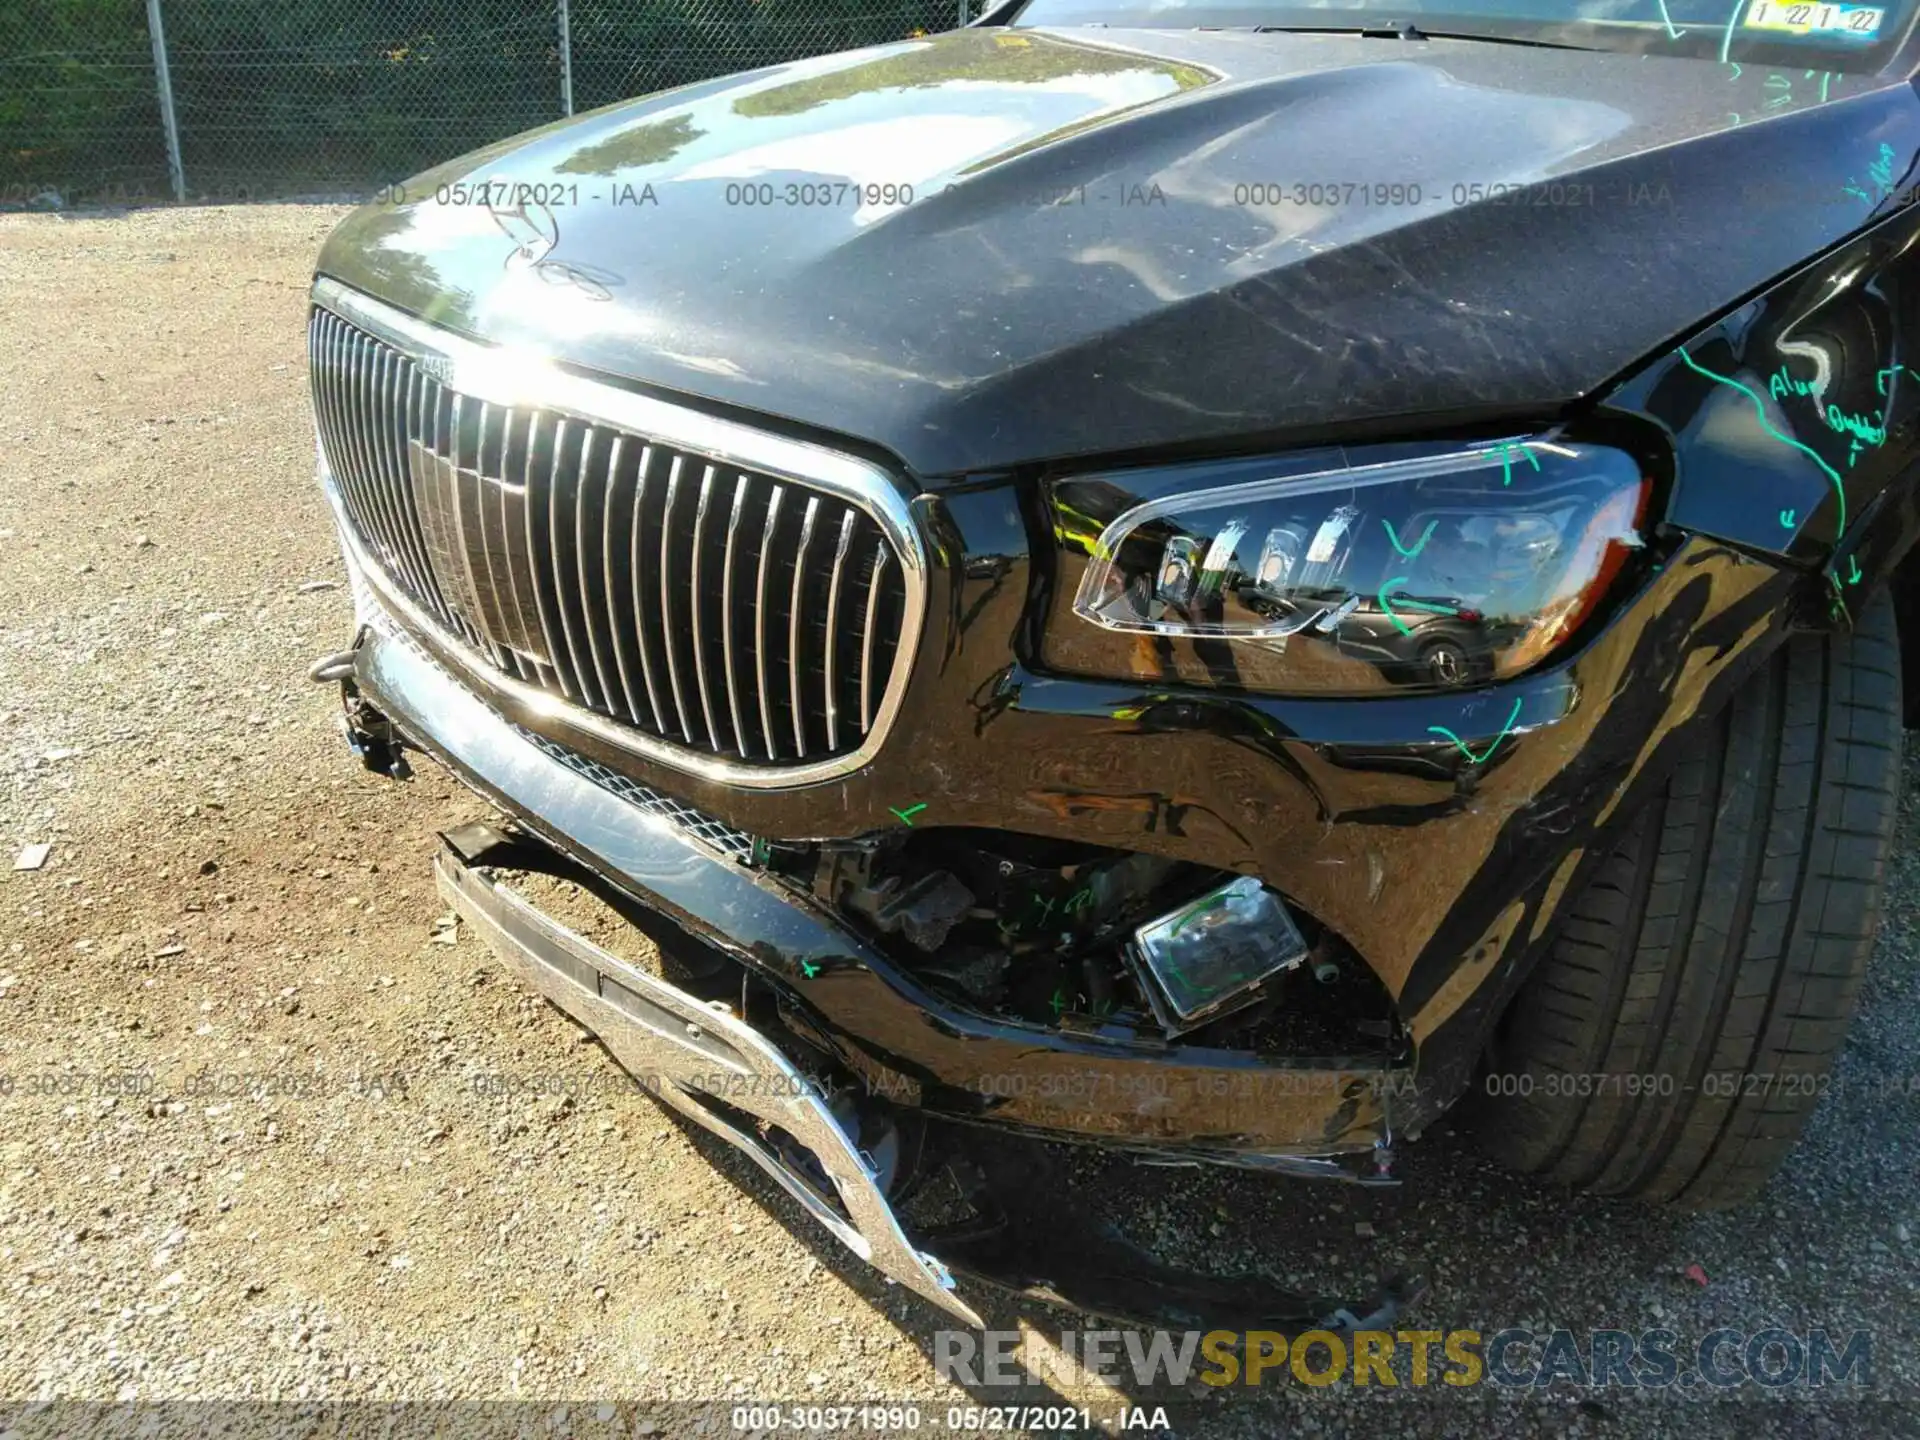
x=1713, y=961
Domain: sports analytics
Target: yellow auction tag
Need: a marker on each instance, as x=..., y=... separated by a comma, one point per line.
x=1807, y=17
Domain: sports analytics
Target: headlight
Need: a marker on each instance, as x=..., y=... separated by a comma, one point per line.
x=1432, y=573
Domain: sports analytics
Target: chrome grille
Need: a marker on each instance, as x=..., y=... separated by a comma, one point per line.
x=721, y=609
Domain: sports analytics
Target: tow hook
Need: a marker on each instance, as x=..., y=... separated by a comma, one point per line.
x=334, y=667
x=370, y=735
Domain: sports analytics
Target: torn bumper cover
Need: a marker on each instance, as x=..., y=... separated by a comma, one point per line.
x=662, y=1033
x=774, y=1108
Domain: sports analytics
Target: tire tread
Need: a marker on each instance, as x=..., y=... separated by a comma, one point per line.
x=1725, y=934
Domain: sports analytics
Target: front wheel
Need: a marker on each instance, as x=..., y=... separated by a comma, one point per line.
x=1675, y=1039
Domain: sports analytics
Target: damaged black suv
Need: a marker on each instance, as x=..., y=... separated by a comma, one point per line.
x=1208, y=580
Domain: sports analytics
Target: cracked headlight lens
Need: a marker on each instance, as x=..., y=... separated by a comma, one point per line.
x=1432, y=573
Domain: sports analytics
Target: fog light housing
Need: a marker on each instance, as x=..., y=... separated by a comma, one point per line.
x=1209, y=958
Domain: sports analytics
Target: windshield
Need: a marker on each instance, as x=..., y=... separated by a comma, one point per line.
x=1818, y=36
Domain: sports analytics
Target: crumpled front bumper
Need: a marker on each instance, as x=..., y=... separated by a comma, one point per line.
x=687, y=1047
x=729, y=1077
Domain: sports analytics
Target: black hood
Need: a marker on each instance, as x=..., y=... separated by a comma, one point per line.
x=1089, y=264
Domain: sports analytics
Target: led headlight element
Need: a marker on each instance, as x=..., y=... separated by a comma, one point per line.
x=1442, y=571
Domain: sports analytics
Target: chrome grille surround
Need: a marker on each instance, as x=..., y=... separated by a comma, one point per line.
x=415, y=422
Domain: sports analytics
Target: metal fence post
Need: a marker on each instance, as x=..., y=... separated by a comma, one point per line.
x=164, y=81
x=566, y=60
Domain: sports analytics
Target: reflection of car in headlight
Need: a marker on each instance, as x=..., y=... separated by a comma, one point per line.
x=1440, y=649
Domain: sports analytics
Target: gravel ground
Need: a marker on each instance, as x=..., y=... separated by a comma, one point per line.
x=227, y=895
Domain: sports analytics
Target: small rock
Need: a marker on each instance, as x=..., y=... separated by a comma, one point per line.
x=313, y=586
x=166, y=952
x=142, y=542
x=33, y=857
x=1364, y=1229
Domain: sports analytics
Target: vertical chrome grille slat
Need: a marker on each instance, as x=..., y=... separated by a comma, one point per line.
x=435, y=500
x=469, y=525
x=326, y=407
x=339, y=435
x=488, y=519
x=512, y=522
x=386, y=376
x=556, y=660
x=343, y=400
x=409, y=430
x=867, y=630
x=426, y=428
x=666, y=596
x=833, y=628
x=453, y=498
x=475, y=525
x=560, y=576
x=760, y=620
x=322, y=382
x=406, y=382
x=366, y=381
x=355, y=461
x=641, y=630
x=608, y=601
x=793, y=625
x=528, y=535
x=366, y=363
x=699, y=638
x=741, y=488
x=589, y=611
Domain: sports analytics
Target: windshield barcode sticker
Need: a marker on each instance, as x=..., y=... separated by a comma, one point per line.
x=1862, y=21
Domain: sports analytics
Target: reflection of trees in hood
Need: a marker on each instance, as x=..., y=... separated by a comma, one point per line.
x=651, y=142
x=402, y=275
x=1011, y=58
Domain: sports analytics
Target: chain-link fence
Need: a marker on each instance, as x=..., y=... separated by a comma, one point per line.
x=124, y=100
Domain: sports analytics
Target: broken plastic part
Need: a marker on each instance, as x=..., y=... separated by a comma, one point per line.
x=975, y=969
x=924, y=911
